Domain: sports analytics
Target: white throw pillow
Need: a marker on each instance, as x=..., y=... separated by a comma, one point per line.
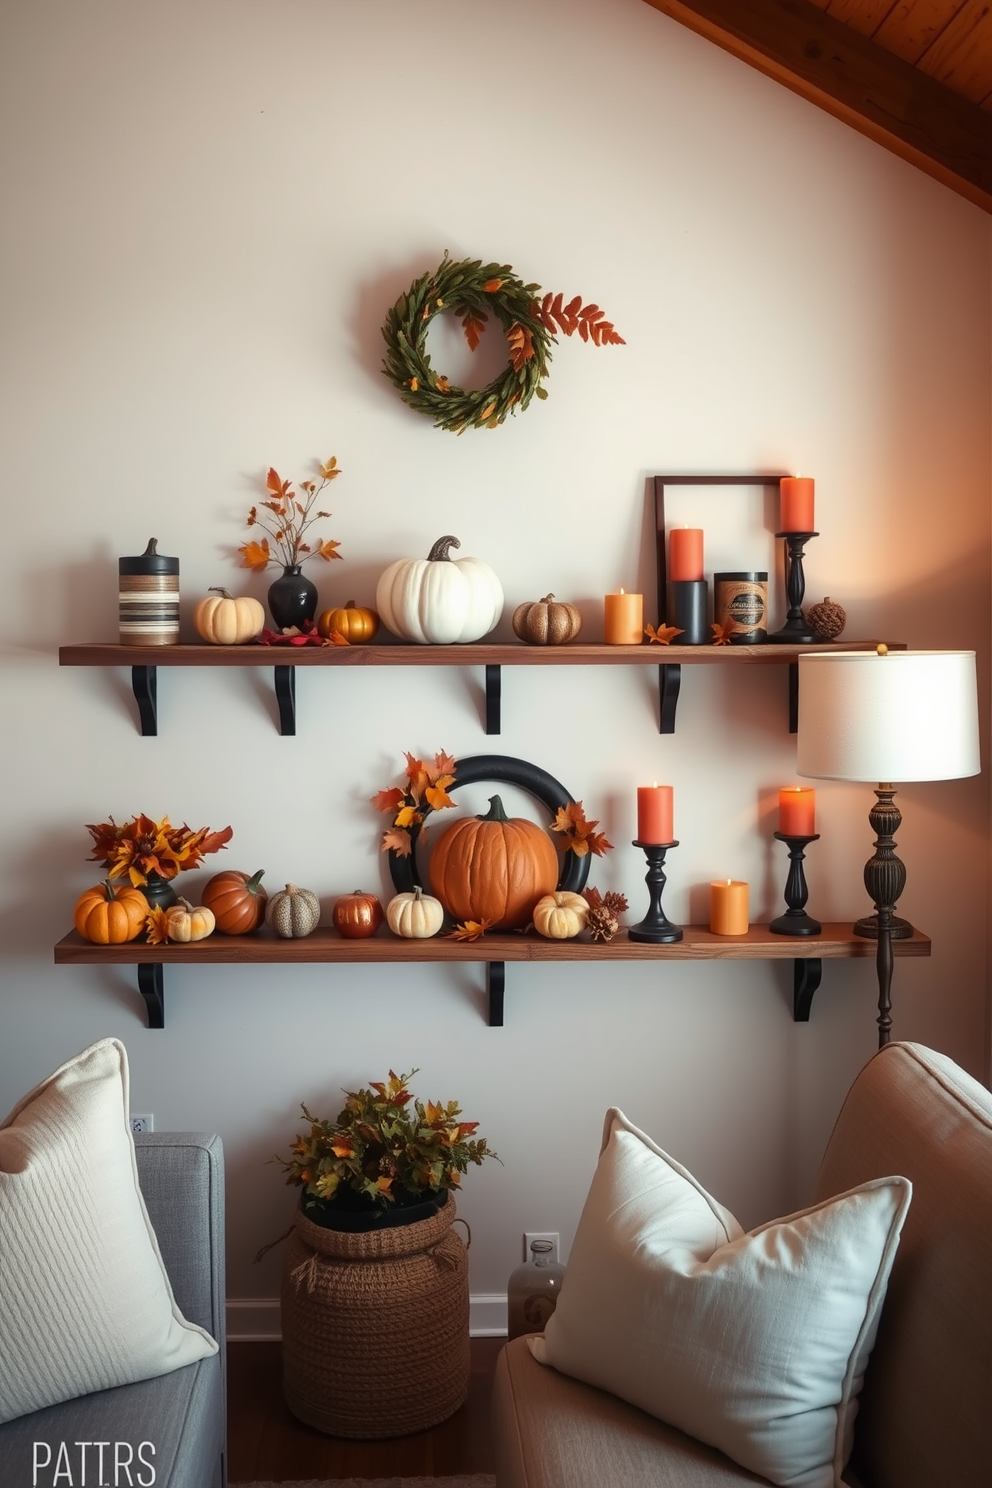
x=754, y=1343
x=85, y=1302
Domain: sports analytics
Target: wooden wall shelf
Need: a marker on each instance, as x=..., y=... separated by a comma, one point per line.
x=837, y=942
x=144, y=662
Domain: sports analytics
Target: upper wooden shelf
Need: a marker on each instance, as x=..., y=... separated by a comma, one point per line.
x=144, y=662
x=836, y=942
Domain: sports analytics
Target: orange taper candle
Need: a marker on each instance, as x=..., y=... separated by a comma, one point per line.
x=623, y=619
x=728, y=907
x=654, y=813
x=685, y=554
x=795, y=500
x=797, y=811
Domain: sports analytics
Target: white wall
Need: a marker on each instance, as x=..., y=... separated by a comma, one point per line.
x=208, y=208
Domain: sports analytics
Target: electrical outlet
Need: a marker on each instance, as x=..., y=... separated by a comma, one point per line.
x=142, y=1123
x=551, y=1235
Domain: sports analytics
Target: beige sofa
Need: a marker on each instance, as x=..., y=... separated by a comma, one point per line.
x=925, y=1418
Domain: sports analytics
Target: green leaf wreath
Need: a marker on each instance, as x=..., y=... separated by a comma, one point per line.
x=473, y=291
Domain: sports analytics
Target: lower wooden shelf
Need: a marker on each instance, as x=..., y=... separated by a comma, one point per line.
x=836, y=942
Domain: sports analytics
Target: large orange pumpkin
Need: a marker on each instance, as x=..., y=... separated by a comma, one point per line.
x=237, y=901
x=110, y=916
x=493, y=867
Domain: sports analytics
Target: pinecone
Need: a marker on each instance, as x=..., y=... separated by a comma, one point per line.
x=604, y=913
x=603, y=924
x=827, y=619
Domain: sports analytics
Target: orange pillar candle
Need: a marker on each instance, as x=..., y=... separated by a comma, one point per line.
x=728, y=907
x=623, y=619
x=795, y=500
x=654, y=814
x=797, y=811
x=685, y=554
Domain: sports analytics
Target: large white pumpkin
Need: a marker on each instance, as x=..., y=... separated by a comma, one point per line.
x=438, y=600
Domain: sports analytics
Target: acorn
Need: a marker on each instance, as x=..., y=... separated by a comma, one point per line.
x=827, y=619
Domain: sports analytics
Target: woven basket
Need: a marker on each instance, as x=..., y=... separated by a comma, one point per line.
x=375, y=1326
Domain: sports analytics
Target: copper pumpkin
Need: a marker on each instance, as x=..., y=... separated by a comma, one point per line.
x=357, y=915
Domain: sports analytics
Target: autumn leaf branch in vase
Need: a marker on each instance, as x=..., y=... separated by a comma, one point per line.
x=287, y=522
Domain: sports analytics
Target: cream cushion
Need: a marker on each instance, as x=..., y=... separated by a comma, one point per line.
x=85, y=1302
x=753, y=1343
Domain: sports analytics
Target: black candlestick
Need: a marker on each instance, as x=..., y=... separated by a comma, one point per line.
x=655, y=927
x=796, y=921
x=795, y=631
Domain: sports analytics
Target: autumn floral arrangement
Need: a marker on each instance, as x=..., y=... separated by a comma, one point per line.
x=142, y=847
x=384, y=1149
x=286, y=517
x=474, y=291
x=426, y=790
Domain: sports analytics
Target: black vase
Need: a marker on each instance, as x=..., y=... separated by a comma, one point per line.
x=292, y=598
x=159, y=892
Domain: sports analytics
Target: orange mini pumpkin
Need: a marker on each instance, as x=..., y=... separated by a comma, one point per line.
x=237, y=901
x=493, y=867
x=110, y=916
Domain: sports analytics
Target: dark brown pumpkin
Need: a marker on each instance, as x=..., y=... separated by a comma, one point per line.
x=493, y=867
x=237, y=900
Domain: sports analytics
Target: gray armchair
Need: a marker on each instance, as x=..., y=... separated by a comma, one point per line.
x=176, y=1423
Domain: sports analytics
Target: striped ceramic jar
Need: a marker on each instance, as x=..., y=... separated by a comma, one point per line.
x=148, y=596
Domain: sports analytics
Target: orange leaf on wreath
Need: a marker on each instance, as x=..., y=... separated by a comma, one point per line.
x=387, y=800
x=398, y=841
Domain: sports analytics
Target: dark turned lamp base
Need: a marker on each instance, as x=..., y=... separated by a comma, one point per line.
x=655, y=927
x=796, y=921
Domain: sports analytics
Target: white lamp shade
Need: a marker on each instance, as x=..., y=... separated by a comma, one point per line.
x=904, y=716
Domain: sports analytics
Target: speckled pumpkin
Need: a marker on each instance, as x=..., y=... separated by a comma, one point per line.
x=546, y=622
x=293, y=913
x=493, y=867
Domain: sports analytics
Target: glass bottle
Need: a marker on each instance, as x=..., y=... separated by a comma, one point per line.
x=532, y=1291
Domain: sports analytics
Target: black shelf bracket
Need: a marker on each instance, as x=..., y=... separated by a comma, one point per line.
x=494, y=693
x=151, y=985
x=806, y=976
x=496, y=985
x=144, y=684
x=669, y=682
x=285, y=679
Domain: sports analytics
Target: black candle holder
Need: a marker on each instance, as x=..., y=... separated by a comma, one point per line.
x=795, y=631
x=655, y=927
x=796, y=921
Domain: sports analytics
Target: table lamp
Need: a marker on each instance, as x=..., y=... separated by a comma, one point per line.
x=887, y=716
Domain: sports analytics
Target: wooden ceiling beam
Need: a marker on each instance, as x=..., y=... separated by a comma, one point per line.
x=856, y=80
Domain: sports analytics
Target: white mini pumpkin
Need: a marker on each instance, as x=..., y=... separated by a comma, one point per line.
x=184, y=923
x=438, y=600
x=560, y=915
x=415, y=916
x=226, y=621
x=293, y=913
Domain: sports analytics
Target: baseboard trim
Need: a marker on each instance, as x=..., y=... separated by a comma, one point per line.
x=256, y=1319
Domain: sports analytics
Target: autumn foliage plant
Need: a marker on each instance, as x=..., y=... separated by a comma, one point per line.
x=426, y=790
x=286, y=517
x=142, y=846
x=385, y=1148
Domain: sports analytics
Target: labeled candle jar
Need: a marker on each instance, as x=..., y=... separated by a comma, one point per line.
x=740, y=601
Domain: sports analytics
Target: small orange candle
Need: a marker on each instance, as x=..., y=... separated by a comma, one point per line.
x=623, y=619
x=795, y=501
x=728, y=907
x=685, y=554
x=797, y=811
x=654, y=813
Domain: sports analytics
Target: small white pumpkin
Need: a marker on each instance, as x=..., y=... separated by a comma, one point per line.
x=226, y=621
x=184, y=923
x=560, y=915
x=438, y=600
x=415, y=916
x=293, y=913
